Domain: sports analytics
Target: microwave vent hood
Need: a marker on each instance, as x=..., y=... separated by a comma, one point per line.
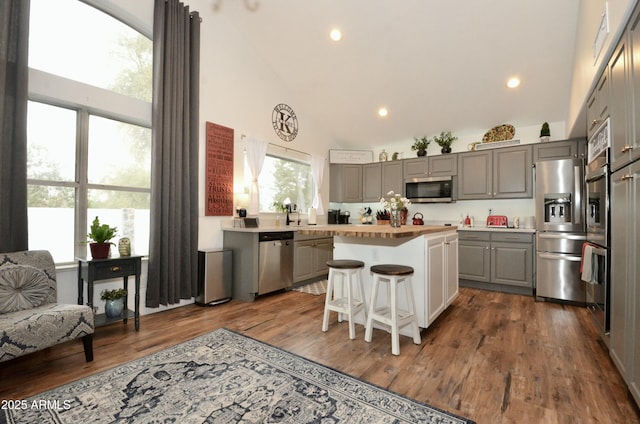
x=431, y=189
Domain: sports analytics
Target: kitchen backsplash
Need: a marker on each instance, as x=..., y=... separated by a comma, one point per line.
x=449, y=213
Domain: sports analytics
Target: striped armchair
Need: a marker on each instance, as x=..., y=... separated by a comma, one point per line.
x=30, y=317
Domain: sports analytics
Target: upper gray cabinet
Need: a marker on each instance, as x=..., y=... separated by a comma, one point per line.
x=431, y=166
x=392, y=178
x=380, y=178
x=620, y=106
x=567, y=149
x=503, y=173
x=598, y=105
x=371, y=182
x=345, y=183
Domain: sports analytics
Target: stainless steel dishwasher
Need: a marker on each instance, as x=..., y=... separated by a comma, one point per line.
x=275, y=269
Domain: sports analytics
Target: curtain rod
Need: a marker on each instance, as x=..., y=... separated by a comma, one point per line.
x=287, y=149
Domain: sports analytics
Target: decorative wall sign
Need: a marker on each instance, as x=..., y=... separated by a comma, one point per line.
x=350, y=156
x=219, y=171
x=285, y=122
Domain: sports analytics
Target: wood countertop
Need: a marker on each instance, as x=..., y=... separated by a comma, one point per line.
x=376, y=231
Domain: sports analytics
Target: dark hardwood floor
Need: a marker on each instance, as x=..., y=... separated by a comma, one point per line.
x=491, y=357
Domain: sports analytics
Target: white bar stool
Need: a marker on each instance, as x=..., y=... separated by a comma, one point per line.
x=389, y=314
x=344, y=303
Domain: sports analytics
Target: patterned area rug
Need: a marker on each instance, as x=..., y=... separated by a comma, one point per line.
x=222, y=377
x=317, y=288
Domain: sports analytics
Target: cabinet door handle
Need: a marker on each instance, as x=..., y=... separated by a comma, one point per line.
x=115, y=268
x=594, y=123
x=626, y=149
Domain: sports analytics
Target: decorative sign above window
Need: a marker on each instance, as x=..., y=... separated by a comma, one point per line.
x=285, y=122
x=350, y=156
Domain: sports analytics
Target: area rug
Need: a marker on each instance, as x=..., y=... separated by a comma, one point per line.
x=317, y=288
x=222, y=377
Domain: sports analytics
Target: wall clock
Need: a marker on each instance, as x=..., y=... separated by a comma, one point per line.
x=285, y=122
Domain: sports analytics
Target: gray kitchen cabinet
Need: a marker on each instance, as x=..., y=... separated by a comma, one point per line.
x=512, y=259
x=416, y=167
x=475, y=180
x=371, y=182
x=566, y=149
x=634, y=79
x=512, y=173
x=500, y=261
x=624, y=342
x=504, y=173
x=619, y=107
x=474, y=251
x=392, y=178
x=310, y=258
x=431, y=166
x=598, y=104
x=345, y=183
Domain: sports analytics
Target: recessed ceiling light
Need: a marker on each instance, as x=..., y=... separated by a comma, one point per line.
x=335, y=34
x=513, y=82
x=382, y=112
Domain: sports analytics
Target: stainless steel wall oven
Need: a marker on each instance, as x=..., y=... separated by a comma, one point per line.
x=596, y=251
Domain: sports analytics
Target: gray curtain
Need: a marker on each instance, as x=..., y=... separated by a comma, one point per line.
x=14, y=48
x=173, y=256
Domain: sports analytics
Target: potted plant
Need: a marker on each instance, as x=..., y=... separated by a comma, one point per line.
x=545, y=133
x=421, y=145
x=114, y=302
x=444, y=140
x=101, y=234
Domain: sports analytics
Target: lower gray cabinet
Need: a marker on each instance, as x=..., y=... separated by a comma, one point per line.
x=501, y=261
x=624, y=343
x=310, y=258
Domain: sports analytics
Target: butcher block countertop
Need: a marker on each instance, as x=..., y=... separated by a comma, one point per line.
x=375, y=231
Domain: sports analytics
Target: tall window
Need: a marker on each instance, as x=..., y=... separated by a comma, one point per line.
x=89, y=136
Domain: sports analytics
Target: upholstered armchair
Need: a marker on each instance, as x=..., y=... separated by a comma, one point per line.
x=30, y=317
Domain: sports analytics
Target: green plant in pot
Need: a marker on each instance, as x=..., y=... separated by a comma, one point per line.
x=114, y=302
x=545, y=132
x=444, y=140
x=420, y=145
x=101, y=234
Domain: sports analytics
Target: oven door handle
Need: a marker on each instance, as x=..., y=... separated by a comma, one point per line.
x=559, y=257
x=565, y=236
x=598, y=250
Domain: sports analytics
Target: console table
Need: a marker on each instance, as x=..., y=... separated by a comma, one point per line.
x=93, y=270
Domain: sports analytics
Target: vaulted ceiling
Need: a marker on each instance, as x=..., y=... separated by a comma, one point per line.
x=435, y=65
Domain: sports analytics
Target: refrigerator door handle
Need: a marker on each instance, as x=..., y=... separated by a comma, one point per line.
x=577, y=178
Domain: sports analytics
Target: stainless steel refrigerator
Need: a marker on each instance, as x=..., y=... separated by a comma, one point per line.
x=560, y=223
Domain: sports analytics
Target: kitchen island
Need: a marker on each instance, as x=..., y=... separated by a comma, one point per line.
x=432, y=251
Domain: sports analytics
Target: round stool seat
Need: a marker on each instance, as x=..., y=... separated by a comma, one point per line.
x=388, y=269
x=345, y=264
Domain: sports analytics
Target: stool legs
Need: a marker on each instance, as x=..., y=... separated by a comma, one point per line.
x=345, y=304
x=390, y=315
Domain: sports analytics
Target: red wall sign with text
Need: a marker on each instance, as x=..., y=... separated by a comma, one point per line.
x=219, y=171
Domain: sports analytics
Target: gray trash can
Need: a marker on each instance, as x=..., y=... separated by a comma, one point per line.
x=214, y=276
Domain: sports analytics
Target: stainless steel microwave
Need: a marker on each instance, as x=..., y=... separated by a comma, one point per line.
x=430, y=189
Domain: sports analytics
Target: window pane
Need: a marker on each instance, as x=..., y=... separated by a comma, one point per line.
x=128, y=211
x=51, y=217
x=51, y=142
x=282, y=179
x=76, y=41
x=119, y=153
